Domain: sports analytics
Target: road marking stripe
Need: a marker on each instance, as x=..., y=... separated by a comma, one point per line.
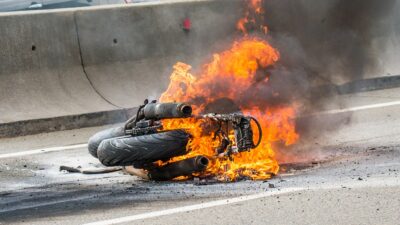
x=359, y=108
x=371, y=183
x=43, y=150
x=194, y=207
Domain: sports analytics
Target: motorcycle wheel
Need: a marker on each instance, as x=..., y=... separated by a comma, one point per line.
x=95, y=140
x=125, y=151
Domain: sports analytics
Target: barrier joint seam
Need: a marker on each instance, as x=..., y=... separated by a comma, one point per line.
x=84, y=67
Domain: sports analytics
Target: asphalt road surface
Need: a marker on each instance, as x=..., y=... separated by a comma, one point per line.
x=348, y=174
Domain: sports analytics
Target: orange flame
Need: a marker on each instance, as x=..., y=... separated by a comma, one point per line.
x=230, y=75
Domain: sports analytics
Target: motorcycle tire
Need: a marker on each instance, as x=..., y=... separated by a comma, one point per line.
x=95, y=140
x=126, y=151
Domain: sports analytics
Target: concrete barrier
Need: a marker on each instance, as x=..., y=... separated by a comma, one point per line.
x=41, y=73
x=65, y=69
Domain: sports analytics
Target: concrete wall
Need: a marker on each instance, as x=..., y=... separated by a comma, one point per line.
x=70, y=62
x=40, y=69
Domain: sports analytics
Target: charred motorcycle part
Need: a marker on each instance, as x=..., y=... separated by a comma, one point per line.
x=181, y=168
x=243, y=132
x=145, y=141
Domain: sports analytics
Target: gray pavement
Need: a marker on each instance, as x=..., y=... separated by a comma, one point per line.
x=355, y=181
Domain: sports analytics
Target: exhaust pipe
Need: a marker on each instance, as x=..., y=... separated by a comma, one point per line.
x=182, y=168
x=157, y=111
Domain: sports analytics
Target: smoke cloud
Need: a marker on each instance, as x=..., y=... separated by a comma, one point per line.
x=328, y=42
x=323, y=44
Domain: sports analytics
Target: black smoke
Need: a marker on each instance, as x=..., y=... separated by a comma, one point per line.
x=324, y=43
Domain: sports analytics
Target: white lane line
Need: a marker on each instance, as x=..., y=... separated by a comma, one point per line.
x=371, y=183
x=193, y=207
x=43, y=150
x=359, y=108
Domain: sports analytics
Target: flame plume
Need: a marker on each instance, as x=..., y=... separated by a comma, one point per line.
x=234, y=74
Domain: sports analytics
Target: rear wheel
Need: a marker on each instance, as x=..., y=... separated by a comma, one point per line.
x=95, y=140
x=124, y=151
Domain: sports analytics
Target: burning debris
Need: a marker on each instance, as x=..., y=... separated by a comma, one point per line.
x=239, y=75
x=276, y=122
x=146, y=144
x=169, y=143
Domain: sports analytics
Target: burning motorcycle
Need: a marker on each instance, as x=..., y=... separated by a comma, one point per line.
x=143, y=142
